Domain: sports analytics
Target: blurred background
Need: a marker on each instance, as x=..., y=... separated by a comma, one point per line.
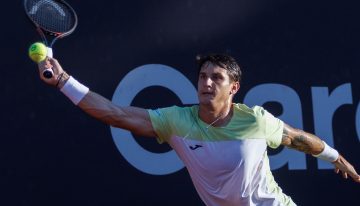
x=51, y=153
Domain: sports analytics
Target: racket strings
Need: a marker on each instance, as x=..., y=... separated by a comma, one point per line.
x=51, y=15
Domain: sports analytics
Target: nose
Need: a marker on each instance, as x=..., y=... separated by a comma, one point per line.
x=207, y=82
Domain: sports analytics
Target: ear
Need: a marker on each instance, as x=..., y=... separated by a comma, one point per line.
x=235, y=88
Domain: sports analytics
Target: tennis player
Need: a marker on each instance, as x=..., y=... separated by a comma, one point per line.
x=223, y=144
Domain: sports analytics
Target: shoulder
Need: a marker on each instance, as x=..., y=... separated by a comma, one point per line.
x=255, y=111
x=172, y=111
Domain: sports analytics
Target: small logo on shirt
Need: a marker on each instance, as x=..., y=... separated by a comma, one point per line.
x=195, y=147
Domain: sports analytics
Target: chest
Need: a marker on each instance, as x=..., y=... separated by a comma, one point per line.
x=219, y=156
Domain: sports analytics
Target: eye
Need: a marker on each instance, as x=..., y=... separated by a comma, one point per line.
x=216, y=77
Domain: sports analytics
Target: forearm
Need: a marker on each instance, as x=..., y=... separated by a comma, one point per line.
x=134, y=119
x=302, y=141
x=102, y=109
x=95, y=105
x=308, y=143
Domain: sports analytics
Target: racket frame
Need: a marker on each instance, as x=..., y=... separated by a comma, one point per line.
x=48, y=73
x=56, y=35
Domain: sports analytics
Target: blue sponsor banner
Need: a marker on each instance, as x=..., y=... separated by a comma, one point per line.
x=300, y=59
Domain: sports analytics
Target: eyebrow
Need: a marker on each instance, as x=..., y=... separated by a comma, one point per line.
x=214, y=74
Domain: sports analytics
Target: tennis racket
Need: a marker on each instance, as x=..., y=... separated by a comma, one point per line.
x=53, y=19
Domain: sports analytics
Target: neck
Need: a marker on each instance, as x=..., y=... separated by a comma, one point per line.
x=216, y=116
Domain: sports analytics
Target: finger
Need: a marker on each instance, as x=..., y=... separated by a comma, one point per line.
x=337, y=170
x=355, y=176
x=357, y=180
x=345, y=175
x=53, y=61
x=56, y=66
x=43, y=65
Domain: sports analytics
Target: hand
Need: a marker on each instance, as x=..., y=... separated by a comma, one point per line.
x=346, y=169
x=55, y=66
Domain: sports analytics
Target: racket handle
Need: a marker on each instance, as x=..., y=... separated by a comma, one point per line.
x=48, y=73
x=49, y=52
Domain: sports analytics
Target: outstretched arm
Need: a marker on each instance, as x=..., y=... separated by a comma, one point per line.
x=134, y=119
x=311, y=144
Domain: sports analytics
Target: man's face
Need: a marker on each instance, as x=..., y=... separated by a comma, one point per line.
x=214, y=85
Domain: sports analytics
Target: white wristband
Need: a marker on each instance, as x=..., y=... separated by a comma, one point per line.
x=328, y=154
x=74, y=90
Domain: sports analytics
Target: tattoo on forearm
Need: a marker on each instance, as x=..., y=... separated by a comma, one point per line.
x=302, y=141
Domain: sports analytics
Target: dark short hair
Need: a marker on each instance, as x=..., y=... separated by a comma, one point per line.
x=224, y=61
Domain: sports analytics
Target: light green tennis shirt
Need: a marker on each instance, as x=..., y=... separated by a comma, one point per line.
x=228, y=165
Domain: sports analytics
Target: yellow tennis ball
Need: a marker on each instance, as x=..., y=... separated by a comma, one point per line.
x=37, y=52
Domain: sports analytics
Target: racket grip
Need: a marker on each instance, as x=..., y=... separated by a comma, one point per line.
x=49, y=52
x=48, y=73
